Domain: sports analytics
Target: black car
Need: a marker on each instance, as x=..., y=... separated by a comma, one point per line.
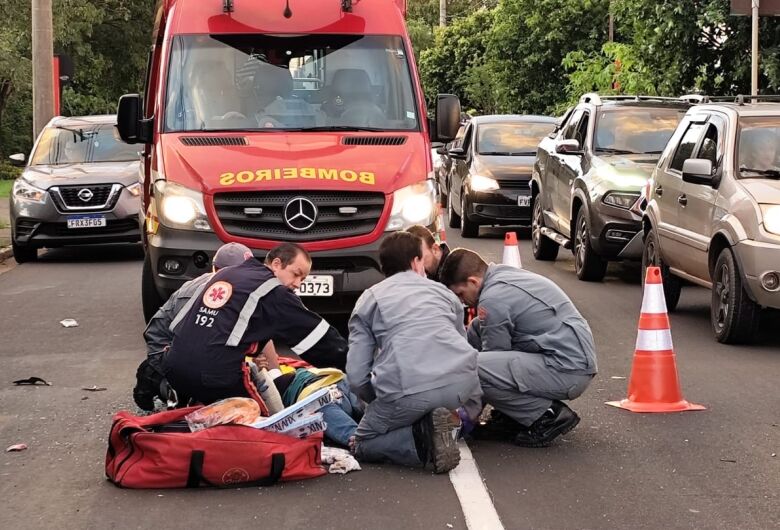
x=442, y=163
x=489, y=183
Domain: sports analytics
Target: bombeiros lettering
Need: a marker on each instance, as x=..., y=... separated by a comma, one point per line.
x=288, y=173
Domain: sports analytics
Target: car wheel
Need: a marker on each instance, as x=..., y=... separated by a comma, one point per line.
x=651, y=257
x=544, y=248
x=453, y=219
x=467, y=228
x=735, y=317
x=150, y=296
x=588, y=265
x=23, y=254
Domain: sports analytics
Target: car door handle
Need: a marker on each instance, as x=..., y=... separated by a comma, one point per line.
x=682, y=199
x=659, y=191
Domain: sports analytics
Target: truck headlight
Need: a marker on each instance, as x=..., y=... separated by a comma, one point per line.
x=482, y=183
x=621, y=200
x=771, y=215
x=25, y=191
x=413, y=205
x=180, y=207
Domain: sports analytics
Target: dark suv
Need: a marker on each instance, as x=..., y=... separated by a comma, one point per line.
x=590, y=174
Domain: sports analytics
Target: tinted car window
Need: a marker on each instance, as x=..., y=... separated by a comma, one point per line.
x=687, y=145
x=77, y=144
x=511, y=139
x=636, y=130
x=758, y=140
x=709, y=145
x=570, y=131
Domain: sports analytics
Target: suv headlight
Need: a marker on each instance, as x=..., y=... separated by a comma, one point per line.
x=25, y=191
x=180, y=207
x=771, y=215
x=482, y=183
x=134, y=189
x=413, y=205
x=621, y=200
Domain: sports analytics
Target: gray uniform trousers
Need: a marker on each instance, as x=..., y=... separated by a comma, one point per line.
x=385, y=432
x=522, y=386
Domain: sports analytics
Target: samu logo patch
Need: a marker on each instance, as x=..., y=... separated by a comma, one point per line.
x=217, y=295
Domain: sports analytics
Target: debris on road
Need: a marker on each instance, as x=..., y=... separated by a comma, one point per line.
x=16, y=447
x=729, y=460
x=69, y=323
x=617, y=377
x=94, y=388
x=31, y=381
x=340, y=461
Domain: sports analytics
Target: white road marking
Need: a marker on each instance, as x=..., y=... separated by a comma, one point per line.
x=474, y=498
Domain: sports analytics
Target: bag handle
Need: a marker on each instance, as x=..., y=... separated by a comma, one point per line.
x=195, y=476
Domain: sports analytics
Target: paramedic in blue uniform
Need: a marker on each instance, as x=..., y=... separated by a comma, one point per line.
x=239, y=310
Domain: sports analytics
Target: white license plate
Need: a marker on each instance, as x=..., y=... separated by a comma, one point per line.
x=87, y=221
x=524, y=200
x=316, y=286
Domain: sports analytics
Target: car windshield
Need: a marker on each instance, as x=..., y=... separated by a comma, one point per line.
x=511, y=139
x=301, y=82
x=627, y=130
x=79, y=143
x=758, y=141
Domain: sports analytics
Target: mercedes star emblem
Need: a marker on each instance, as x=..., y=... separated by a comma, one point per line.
x=300, y=214
x=85, y=194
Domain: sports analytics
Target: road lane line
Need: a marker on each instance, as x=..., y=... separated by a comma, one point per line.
x=474, y=498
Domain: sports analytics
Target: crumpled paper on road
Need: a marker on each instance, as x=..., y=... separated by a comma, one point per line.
x=340, y=461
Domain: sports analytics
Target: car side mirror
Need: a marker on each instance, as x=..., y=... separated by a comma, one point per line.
x=447, y=120
x=442, y=150
x=18, y=159
x=697, y=171
x=568, y=147
x=130, y=122
x=457, y=153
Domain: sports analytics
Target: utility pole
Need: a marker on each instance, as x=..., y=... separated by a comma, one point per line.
x=42, y=55
x=442, y=13
x=754, y=61
x=611, y=27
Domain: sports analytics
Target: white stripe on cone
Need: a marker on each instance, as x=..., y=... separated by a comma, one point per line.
x=512, y=257
x=654, y=340
x=653, y=300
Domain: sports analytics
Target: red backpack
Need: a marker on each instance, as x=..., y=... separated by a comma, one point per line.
x=159, y=451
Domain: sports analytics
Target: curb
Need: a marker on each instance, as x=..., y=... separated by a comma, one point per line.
x=5, y=253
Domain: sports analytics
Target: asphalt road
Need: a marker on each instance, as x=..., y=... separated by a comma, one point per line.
x=710, y=469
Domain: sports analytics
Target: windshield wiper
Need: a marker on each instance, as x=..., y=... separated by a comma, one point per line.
x=523, y=153
x=771, y=173
x=613, y=151
x=328, y=128
x=495, y=153
x=652, y=152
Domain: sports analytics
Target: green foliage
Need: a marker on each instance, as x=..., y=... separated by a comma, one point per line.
x=8, y=172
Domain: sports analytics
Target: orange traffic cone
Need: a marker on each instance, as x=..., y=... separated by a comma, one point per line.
x=511, y=252
x=442, y=234
x=654, y=385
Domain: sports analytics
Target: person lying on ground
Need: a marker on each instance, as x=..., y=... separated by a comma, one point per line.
x=410, y=362
x=238, y=310
x=536, y=349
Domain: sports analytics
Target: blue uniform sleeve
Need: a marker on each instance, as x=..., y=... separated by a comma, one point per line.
x=362, y=347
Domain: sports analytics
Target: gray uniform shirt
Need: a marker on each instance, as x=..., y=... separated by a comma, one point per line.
x=523, y=311
x=158, y=334
x=406, y=336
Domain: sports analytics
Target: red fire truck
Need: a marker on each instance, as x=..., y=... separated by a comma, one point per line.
x=282, y=120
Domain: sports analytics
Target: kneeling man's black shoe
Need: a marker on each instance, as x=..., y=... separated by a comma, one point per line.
x=436, y=436
x=557, y=420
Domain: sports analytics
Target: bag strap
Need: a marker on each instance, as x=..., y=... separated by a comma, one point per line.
x=195, y=476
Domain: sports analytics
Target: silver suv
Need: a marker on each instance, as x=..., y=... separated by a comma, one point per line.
x=713, y=214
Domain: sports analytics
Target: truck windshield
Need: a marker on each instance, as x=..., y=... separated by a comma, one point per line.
x=626, y=130
x=76, y=144
x=277, y=82
x=758, y=153
x=511, y=139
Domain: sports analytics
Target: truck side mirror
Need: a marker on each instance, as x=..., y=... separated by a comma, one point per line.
x=457, y=153
x=447, y=121
x=568, y=147
x=18, y=159
x=697, y=171
x=130, y=122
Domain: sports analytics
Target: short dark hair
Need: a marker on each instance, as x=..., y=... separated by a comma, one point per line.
x=423, y=233
x=286, y=252
x=460, y=264
x=397, y=252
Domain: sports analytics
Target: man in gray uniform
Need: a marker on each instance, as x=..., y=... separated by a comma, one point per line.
x=410, y=361
x=158, y=333
x=536, y=348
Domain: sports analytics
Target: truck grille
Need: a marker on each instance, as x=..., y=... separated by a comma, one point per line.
x=88, y=197
x=260, y=215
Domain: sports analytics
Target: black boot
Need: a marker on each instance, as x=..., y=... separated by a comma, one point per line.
x=436, y=439
x=557, y=420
